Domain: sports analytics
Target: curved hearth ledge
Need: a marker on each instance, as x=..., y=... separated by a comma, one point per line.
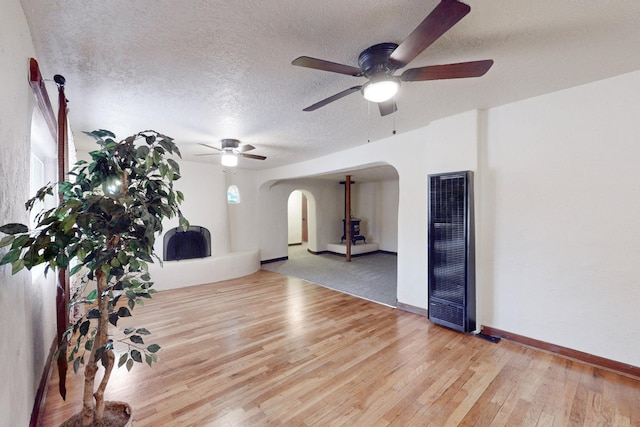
x=189, y=272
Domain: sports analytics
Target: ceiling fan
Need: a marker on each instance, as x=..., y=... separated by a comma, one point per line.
x=231, y=150
x=378, y=62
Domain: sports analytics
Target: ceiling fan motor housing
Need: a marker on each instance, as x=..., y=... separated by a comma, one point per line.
x=375, y=60
x=230, y=143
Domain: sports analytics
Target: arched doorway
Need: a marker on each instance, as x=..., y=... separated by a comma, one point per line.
x=301, y=219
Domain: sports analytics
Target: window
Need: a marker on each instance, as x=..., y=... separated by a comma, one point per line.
x=233, y=195
x=43, y=162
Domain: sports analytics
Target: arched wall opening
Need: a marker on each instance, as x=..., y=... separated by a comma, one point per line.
x=301, y=219
x=375, y=200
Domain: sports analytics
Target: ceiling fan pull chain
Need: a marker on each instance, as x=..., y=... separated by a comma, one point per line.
x=394, y=122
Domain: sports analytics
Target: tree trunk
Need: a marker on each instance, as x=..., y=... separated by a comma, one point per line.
x=88, y=403
x=108, y=359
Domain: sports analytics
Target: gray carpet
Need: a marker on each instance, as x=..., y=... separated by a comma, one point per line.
x=371, y=276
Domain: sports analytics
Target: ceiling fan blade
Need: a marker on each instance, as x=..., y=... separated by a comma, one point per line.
x=387, y=107
x=321, y=64
x=333, y=98
x=209, y=146
x=245, y=147
x=252, y=156
x=445, y=15
x=207, y=154
x=448, y=71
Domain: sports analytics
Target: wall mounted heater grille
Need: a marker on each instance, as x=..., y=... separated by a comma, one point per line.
x=451, y=254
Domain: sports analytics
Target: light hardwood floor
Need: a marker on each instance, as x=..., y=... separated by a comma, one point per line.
x=269, y=350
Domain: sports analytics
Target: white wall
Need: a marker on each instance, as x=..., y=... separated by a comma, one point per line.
x=387, y=216
x=446, y=145
x=27, y=318
x=204, y=186
x=557, y=198
x=560, y=201
x=376, y=204
x=243, y=217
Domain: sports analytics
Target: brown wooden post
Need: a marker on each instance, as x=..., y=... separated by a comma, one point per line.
x=62, y=297
x=59, y=133
x=347, y=216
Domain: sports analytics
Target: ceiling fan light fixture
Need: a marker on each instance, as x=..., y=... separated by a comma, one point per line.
x=381, y=90
x=229, y=160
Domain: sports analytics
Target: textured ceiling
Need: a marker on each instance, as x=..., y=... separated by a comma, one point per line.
x=203, y=70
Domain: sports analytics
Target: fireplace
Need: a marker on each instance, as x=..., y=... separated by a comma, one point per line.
x=193, y=243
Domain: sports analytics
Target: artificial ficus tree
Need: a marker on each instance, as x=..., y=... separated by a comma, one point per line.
x=103, y=230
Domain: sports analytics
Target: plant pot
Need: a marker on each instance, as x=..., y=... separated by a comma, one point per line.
x=116, y=414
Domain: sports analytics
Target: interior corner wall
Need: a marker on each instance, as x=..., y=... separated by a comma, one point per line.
x=243, y=217
x=559, y=223
x=25, y=335
x=204, y=186
x=376, y=204
x=446, y=145
x=205, y=204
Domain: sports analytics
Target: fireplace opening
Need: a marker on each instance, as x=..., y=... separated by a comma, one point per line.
x=193, y=243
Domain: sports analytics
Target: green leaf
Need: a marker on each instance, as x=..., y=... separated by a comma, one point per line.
x=76, y=365
x=93, y=295
x=174, y=165
x=68, y=222
x=17, y=266
x=62, y=260
x=142, y=152
x=143, y=331
x=14, y=228
x=124, y=312
x=136, y=355
x=123, y=359
x=129, y=364
x=81, y=254
x=123, y=257
x=20, y=241
x=75, y=269
x=113, y=319
x=164, y=144
x=100, y=133
x=153, y=348
x=128, y=331
x=144, y=256
x=148, y=359
x=84, y=327
x=10, y=256
x=6, y=241
x=136, y=339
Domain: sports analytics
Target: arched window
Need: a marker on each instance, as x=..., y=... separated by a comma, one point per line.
x=233, y=195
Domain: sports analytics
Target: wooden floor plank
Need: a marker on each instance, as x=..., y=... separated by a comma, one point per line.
x=271, y=350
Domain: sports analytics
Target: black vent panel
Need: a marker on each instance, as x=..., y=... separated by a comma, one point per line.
x=446, y=314
x=451, y=277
